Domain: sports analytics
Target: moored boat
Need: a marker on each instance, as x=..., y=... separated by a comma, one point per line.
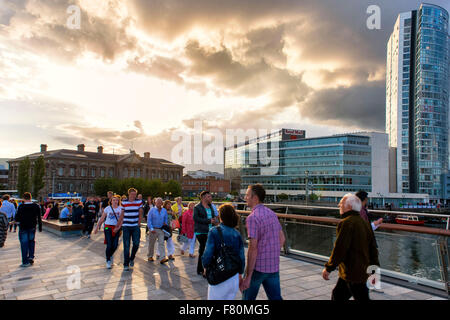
x=410, y=220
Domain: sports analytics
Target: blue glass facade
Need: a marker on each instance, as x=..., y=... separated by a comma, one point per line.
x=335, y=163
x=431, y=100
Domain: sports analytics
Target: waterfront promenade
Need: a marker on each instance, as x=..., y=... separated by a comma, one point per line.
x=47, y=278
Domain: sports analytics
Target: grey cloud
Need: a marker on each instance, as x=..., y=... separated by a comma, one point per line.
x=42, y=26
x=67, y=140
x=160, y=67
x=251, y=80
x=357, y=106
x=267, y=44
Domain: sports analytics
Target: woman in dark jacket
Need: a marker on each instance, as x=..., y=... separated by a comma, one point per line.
x=227, y=289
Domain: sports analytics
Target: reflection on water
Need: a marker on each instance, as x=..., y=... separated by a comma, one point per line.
x=404, y=252
x=411, y=254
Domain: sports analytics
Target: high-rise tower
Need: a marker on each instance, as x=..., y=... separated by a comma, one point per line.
x=417, y=116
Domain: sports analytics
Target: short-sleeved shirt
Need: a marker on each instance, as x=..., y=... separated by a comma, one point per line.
x=112, y=215
x=263, y=226
x=131, y=215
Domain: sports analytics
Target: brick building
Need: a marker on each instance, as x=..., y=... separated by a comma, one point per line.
x=76, y=170
x=192, y=186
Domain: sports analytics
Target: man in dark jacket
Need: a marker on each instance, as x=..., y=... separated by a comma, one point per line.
x=89, y=214
x=28, y=216
x=204, y=218
x=354, y=251
x=77, y=212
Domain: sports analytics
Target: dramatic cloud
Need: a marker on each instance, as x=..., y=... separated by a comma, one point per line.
x=42, y=26
x=357, y=107
x=251, y=80
x=159, y=67
x=248, y=63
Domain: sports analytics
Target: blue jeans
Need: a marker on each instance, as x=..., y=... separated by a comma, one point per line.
x=128, y=234
x=270, y=282
x=26, y=238
x=111, y=243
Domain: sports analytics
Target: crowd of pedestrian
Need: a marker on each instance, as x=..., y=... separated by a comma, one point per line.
x=221, y=258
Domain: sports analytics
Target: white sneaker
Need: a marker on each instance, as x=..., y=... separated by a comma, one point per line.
x=108, y=264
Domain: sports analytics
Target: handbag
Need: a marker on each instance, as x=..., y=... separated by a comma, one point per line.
x=225, y=263
x=167, y=232
x=119, y=233
x=182, y=238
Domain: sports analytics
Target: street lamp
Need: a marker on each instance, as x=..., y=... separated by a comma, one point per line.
x=306, y=189
x=53, y=183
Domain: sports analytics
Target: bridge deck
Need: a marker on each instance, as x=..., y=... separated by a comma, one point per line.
x=47, y=278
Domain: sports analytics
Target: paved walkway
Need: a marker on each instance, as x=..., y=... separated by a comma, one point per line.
x=48, y=277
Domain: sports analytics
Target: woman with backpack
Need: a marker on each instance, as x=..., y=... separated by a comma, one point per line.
x=224, y=240
x=111, y=216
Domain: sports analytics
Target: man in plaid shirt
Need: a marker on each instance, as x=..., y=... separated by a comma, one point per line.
x=265, y=241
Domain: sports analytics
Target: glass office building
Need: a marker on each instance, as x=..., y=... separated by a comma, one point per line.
x=417, y=100
x=330, y=165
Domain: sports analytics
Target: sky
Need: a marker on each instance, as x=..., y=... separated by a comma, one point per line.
x=137, y=72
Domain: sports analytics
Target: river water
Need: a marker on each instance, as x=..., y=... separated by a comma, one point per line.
x=409, y=253
x=412, y=254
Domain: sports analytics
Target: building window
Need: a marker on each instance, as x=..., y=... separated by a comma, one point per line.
x=93, y=172
x=111, y=173
x=125, y=172
x=60, y=187
x=60, y=171
x=102, y=173
x=83, y=172
x=138, y=173
x=92, y=187
x=72, y=172
x=71, y=187
x=81, y=187
x=131, y=173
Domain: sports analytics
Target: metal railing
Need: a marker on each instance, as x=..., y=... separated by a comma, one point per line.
x=287, y=208
x=415, y=254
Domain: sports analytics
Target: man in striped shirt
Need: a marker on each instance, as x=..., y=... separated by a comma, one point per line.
x=130, y=220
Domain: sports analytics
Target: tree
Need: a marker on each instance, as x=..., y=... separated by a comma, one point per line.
x=153, y=188
x=23, y=179
x=173, y=187
x=38, y=175
x=103, y=185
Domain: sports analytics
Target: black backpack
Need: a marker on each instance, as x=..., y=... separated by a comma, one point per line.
x=225, y=263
